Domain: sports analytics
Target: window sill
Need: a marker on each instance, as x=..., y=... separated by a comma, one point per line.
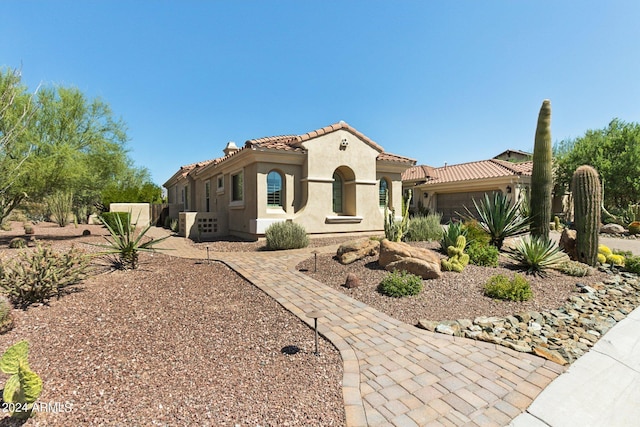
x=343, y=219
x=237, y=205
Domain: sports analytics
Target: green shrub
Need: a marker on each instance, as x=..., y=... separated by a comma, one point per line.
x=174, y=225
x=110, y=221
x=575, y=269
x=24, y=386
x=17, y=243
x=60, y=204
x=475, y=232
x=38, y=275
x=632, y=264
x=125, y=244
x=516, y=289
x=424, y=228
x=536, y=255
x=450, y=235
x=483, y=254
x=286, y=235
x=399, y=284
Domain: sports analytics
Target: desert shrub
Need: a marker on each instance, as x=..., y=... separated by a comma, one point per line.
x=109, y=219
x=575, y=269
x=174, y=225
x=483, y=254
x=400, y=284
x=60, y=204
x=286, y=235
x=424, y=228
x=38, y=275
x=475, y=232
x=126, y=244
x=632, y=264
x=450, y=235
x=17, y=243
x=516, y=289
x=500, y=218
x=536, y=255
x=6, y=314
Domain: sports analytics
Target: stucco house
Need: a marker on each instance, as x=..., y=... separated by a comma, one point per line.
x=450, y=188
x=330, y=180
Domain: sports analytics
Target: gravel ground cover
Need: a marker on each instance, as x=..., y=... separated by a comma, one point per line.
x=175, y=342
x=453, y=296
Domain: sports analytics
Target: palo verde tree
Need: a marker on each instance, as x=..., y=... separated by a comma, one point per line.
x=16, y=112
x=614, y=152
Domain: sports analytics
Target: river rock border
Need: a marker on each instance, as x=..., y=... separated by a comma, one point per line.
x=560, y=335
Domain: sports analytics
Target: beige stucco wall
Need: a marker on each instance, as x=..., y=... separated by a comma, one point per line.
x=140, y=212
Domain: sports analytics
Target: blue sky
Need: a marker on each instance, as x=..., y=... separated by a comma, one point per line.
x=439, y=81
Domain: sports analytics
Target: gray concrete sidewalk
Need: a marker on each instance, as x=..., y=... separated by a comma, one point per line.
x=602, y=388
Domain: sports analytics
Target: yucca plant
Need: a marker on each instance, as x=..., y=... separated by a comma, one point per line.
x=500, y=218
x=125, y=244
x=537, y=254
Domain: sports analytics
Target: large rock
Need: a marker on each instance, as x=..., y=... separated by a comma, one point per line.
x=357, y=249
x=612, y=229
x=568, y=243
x=401, y=256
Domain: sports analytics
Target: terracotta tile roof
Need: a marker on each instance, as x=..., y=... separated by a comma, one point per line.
x=389, y=157
x=480, y=170
x=418, y=173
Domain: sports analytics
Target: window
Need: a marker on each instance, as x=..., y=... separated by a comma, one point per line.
x=220, y=183
x=274, y=189
x=337, y=193
x=207, y=196
x=237, y=184
x=383, y=193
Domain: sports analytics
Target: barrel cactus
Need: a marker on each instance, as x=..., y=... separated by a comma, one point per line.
x=6, y=314
x=587, y=199
x=542, y=175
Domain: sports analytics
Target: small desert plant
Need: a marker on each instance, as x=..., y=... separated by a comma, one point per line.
x=174, y=225
x=634, y=227
x=537, y=254
x=126, y=245
x=395, y=230
x=17, y=243
x=286, y=235
x=516, y=289
x=24, y=386
x=632, y=264
x=38, y=275
x=400, y=284
x=475, y=232
x=424, y=228
x=483, y=254
x=109, y=219
x=60, y=204
x=457, y=260
x=575, y=269
x=500, y=218
x=450, y=235
x=6, y=314
x=606, y=256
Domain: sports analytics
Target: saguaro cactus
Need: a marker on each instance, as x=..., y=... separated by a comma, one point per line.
x=587, y=198
x=542, y=175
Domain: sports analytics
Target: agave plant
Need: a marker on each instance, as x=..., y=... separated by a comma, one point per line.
x=500, y=218
x=125, y=244
x=537, y=254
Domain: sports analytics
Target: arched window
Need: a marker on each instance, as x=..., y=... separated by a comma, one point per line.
x=274, y=189
x=382, y=193
x=337, y=193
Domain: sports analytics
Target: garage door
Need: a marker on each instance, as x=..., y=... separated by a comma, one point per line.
x=452, y=205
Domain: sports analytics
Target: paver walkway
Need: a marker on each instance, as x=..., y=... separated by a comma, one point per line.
x=395, y=374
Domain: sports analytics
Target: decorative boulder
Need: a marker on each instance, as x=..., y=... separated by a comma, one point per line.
x=357, y=249
x=612, y=229
x=352, y=281
x=401, y=256
x=568, y=243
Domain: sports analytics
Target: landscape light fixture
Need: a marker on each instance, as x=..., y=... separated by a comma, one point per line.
x=314, y=315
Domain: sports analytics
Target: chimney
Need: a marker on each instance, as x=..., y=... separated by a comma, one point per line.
x=230, y=148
